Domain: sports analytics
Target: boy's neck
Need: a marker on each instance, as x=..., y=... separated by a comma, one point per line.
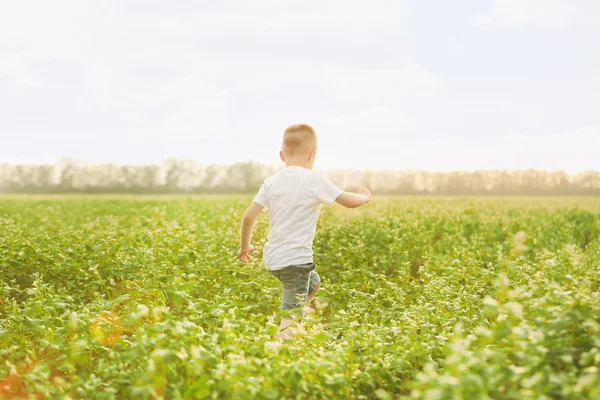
x=297, y=164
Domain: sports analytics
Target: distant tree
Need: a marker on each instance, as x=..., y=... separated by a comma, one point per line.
x=174, y=176
x=174, y=171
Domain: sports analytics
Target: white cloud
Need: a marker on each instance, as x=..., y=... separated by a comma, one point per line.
x=354, y=21
x=544, y=13
x=202, y=113
x=570, y=151
x=573, y=151
x=383, y=138
x=371, y=124
x=108, y=28
x=90, y=79
x=359, y=139
x=41, y=26
x=17, y=69
x=377, y=83
x=155, y=69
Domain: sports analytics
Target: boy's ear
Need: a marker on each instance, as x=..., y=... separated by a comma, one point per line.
x=281, y=156
x=312, y=155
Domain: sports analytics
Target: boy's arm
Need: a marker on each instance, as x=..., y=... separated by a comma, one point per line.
x=246, y=232
x=353, y=200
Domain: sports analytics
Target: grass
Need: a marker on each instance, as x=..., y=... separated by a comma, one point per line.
x=422, y=297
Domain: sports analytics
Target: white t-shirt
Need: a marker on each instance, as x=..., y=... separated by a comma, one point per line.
x=293, y=197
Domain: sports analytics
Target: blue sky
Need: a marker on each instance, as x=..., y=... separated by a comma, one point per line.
x=441, y=85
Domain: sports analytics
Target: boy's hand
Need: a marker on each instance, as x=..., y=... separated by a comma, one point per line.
x=364, y=192
x=244, y=254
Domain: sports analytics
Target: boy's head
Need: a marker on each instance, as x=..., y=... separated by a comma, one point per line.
x=299, y=145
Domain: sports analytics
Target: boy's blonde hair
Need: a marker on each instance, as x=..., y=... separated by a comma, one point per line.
x=299, y=139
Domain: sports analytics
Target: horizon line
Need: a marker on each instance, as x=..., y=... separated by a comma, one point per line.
x=85, y=162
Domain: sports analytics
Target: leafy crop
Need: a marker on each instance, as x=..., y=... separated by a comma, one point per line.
x=424, y=298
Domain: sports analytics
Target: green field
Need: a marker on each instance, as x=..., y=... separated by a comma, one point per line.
x=428, y=298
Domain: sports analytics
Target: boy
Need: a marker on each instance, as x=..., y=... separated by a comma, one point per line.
x=293, y=198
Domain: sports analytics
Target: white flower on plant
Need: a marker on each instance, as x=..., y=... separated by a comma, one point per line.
x=142, y=310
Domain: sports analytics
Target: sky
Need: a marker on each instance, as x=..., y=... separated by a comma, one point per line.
x=388, y=84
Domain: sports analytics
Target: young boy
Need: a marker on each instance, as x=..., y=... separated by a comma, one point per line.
x=293, y=198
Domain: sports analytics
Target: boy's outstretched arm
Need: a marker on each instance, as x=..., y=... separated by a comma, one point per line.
x=353, y=200
x=246, y=233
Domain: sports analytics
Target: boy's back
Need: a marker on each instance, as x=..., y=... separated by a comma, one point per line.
x=293, y=198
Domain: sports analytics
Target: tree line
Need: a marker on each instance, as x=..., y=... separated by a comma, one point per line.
x=188, y=176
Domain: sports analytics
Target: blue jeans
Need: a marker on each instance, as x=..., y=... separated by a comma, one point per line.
x=297, y=281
